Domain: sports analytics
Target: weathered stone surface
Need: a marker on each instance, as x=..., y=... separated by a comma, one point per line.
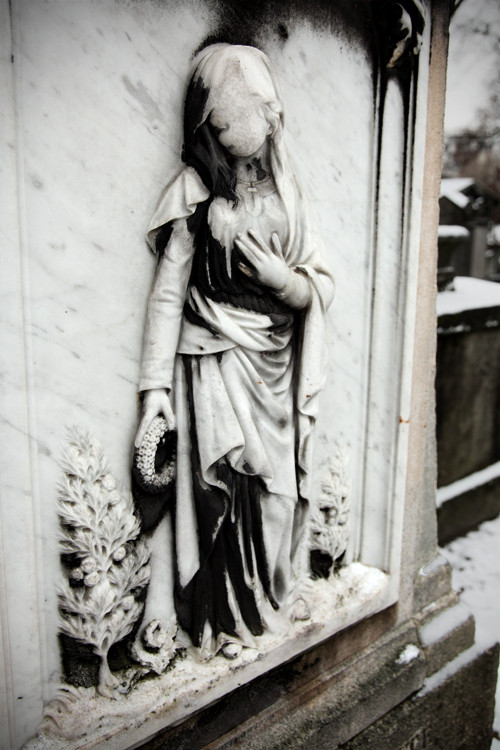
x=337, y=690
x=446, y=627
x=446, y=636
x=296, y=702
x=449, y=599
x=384, y=341
x=453, y=712
x=432, y=583
x=322, y=712
x=73, y=94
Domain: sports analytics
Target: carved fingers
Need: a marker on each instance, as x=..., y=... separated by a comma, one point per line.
x=155, y=402
x=266, y=262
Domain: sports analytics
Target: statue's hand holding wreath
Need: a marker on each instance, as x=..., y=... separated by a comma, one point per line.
x=155, y=402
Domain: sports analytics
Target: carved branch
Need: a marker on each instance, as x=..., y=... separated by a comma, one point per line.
x=329, y=533
x=106, y=563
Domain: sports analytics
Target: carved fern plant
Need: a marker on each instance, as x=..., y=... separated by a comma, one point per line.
x=105, y=561
x=329, y=530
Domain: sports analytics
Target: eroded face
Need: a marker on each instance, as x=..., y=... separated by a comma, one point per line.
x=241, y=126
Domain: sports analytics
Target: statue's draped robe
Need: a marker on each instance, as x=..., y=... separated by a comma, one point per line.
x=244, y=372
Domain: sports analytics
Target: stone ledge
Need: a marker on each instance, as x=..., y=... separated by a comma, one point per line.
x=429, y=613
x=466, y=511
x=473, y=320
x=301, y=703
x=447, y=635
x=432, y=583
x=356, y=677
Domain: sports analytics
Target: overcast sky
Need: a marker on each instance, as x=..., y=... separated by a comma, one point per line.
x=474, y=60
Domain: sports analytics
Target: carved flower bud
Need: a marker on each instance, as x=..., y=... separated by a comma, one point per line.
x=76, y=574
x=108, y=482
x=74, y=453
x=115, y=618
x=156, y=634
x=114, y=497
x=127, y=602
x=119, y=553
x=88, y=565
x=91, y=579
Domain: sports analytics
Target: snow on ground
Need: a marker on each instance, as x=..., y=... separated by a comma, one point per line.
x=469, y=294
x=475, y=560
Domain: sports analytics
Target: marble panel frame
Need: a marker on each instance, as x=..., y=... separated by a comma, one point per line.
x=396, y=194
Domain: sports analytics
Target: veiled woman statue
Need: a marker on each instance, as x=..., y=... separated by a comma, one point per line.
x=234, y=355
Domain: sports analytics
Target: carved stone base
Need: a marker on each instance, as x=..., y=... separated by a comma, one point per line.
x=420, y=684
x=286, y=707
x=374, y=704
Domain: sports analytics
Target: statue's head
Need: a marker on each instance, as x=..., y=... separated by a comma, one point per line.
x=232, y=108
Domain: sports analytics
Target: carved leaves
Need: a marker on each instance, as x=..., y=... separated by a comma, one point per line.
x=330, y=515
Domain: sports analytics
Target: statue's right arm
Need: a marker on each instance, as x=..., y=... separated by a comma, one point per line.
x=163, y=323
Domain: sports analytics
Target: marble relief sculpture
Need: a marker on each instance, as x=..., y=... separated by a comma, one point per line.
x=234, y=360
x=329, y=521
x=105, y=560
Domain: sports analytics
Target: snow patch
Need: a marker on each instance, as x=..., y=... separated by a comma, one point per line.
x=408, y=654
x=469, y=294
x=445, y=623
x=494, y=235
x=452, y=230
x=452, y=188
x=461, y=486
x=476, y=571
x=462, y=328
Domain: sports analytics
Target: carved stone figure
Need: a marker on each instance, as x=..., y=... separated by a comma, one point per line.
x=234, y=355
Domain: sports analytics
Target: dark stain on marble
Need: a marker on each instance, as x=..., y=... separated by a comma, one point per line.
x=241, y=22
x=144, y=99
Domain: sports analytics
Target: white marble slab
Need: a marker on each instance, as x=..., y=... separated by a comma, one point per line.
x=98, y=89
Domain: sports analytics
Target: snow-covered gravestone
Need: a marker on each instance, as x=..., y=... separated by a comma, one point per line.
x=270, y=497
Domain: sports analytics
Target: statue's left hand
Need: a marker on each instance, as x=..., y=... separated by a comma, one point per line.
x=267, y=264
